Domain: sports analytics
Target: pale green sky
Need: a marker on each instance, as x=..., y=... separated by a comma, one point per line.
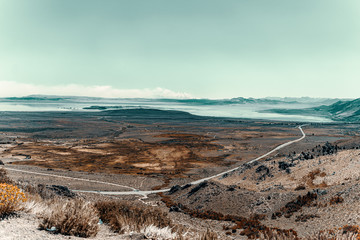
x=205, y=48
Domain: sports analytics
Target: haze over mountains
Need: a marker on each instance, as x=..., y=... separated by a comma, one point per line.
x=237, y=100
x=276, y=108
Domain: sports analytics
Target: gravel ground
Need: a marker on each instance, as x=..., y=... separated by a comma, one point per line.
x=25, y=227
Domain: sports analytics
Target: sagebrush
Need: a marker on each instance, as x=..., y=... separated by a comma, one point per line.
x=10, y=199
x=123, y=217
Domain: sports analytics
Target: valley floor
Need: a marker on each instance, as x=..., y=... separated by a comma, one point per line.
x=307, y=187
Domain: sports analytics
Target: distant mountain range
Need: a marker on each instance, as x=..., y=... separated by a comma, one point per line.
x=195, y=101
x=343, y=110
x=347, y=111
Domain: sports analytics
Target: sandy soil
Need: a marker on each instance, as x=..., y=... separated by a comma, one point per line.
x=25, y=226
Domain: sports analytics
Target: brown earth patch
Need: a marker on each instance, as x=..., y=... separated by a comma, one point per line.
x=170, y=158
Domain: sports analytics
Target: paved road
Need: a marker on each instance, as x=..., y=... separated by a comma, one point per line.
x=145, y=193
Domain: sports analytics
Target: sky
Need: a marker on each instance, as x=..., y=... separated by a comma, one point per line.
x=180, y=49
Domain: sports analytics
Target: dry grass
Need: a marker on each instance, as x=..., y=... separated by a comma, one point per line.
x=345, y=233
x=338, y=235
x=123, y=217
x=208, y=235
x=70, y=217
x=153, y=232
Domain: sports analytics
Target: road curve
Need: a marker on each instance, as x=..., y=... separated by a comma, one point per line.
x=71, y=178
x=145, y=193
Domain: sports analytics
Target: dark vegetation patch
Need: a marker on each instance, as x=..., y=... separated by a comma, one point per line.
x=305, y=217
x=308, y=179
x=300, y=187
x=264, y=172
x=296, y=205
x=336, y=200
x=197, y=188
x=50, y=191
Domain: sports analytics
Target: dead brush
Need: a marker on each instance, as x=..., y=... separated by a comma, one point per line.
x=70, y=217
x=335, y=234
x=123, y=217
x=208, y=235
x=274, y=234
x=195, y=234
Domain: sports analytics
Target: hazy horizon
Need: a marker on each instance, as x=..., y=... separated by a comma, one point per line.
x=171, y=96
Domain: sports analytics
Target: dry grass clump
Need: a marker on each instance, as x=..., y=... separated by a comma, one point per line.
x=10, y=199
x=70, y=217
x=345, y=233
x=153, y=232
x=339, y=234
x=274, y=234
x=123, y=217
x=208, y=235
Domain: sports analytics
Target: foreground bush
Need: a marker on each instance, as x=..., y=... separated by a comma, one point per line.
x=10, y=199
x=123, y=217
x=71, y=217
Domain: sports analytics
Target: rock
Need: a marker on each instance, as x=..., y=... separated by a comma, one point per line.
x=61, y=191
x=174, y=189
x=48, y=192
x=320, y=192
x=174, y=209
x=186, y=186
x=265, y=171
x=197, y=188
x=225, y=175
x=231, y=188
x=136, y=236
x=262, y=168
x=284, y=165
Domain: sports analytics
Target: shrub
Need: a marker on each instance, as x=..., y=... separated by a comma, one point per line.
x=10, y=199
x=122, y=217
x=70, y=217
x=336, y=200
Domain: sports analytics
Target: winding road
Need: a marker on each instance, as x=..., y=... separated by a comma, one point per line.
x=145, y=193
